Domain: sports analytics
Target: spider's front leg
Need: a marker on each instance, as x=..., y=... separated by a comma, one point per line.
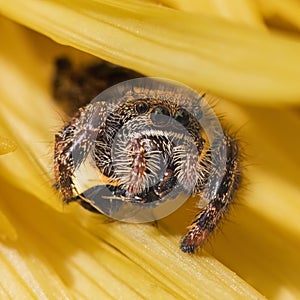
x=218, y=201
x=73, y=143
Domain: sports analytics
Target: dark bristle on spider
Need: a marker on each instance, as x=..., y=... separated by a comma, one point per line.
x=134, y=145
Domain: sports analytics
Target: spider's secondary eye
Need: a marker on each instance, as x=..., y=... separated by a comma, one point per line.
x=160, y=115
x=141, y=107
x=182, y=116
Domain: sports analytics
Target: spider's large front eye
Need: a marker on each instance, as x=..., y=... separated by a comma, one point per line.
x=141, y=107
x=160, y=115
x=182, y=116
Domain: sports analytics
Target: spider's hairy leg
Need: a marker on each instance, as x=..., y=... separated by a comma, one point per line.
x=217, y=206
x=71, y=148
x=63, y=162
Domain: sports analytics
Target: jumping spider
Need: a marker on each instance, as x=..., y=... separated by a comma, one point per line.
x=145, y=142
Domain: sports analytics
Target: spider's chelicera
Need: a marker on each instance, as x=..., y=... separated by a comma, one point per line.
x=141, y=148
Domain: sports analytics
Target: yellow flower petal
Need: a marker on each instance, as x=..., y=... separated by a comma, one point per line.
x=279, y=12
x=243, y=11
x=6, y=145
x=227, y=59
x=7, y=230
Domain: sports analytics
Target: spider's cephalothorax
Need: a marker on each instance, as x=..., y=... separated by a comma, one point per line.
x=144, y=143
